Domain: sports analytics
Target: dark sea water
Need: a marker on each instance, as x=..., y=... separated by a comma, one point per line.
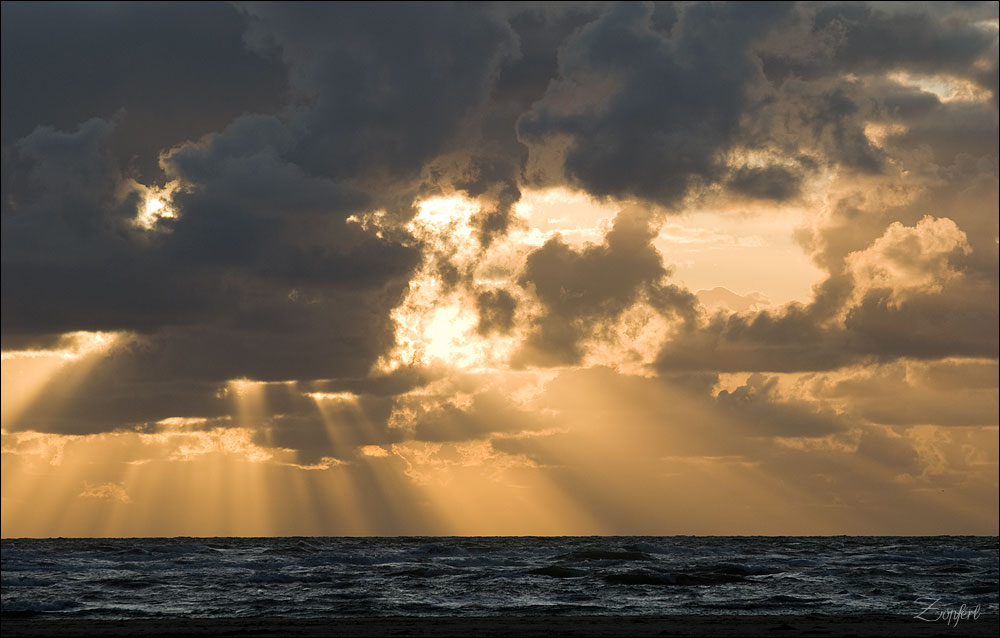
x=320, y=577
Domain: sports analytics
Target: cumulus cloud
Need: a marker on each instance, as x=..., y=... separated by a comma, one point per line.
x=949, y=393
x=644, y=111
x=804, y=338
x=138, y=64
x=756, y=406
x=385, y=99
x=496, y=311
x=580, y=289
x=910, y=260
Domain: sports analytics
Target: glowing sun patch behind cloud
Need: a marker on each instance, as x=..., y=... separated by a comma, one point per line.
x=156, y=205
x=436, y=323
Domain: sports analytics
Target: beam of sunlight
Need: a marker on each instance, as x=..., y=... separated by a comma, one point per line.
x=27, y=373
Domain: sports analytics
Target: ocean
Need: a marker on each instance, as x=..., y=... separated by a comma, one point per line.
x=491, y=576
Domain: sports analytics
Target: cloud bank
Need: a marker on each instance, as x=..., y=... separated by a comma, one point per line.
x=323, y=229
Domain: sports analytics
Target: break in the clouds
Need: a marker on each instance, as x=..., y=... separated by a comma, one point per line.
x=417, y=266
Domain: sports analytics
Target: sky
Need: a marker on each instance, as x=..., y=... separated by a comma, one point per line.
x=489, y=269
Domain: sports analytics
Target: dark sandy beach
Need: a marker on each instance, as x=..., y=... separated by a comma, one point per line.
x=680, y=625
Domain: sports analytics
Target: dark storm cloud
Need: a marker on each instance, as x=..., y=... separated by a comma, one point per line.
x=839, y=119
x=830, y=40
x=579, y=289
x=959, y=321
x=496, y=311
x=489, y=161
x=921, y=38
x=824, y=69
x=260, y=275
x=796, y=337
x=927, y=327
x=827, y=66
x=775, y=183
x=388, y=83
x=265, y=286
x=72, y=259
x=266, y=335
x=648, y=102
x=496, y=183
x=106, y=402
x=953, y=141
x=647, y=112
x=822, y=122
x=952, y=132
x=248, y=206
x=166, y=72
x=370, y=108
